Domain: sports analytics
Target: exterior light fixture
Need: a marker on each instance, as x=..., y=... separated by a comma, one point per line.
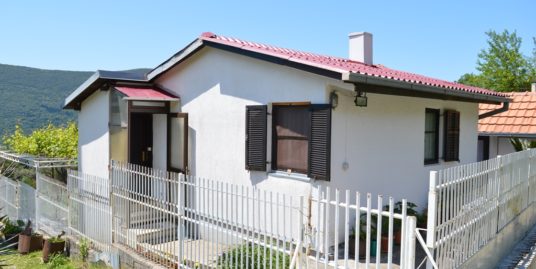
x=333, y=99
x=360, y=99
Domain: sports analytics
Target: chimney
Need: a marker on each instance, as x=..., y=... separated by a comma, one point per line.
x=361, y=47
x=533, y=87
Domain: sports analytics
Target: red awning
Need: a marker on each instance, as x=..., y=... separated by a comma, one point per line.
x=146, y=94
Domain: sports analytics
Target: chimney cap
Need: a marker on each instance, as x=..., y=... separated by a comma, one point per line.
x=354, y=34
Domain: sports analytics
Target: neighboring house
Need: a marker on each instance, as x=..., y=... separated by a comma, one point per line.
x=281, y=119
x=519, y=121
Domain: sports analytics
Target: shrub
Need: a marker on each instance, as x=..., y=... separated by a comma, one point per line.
x=59, y=261
x=84, y=249
x=247, y=256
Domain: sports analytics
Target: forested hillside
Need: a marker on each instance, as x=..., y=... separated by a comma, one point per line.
x=33, y=97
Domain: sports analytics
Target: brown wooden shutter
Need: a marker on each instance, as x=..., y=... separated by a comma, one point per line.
x=320, y=142
x=256, y=137
x=452, y=135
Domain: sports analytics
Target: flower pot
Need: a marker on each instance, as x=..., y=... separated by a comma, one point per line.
x=362, y=247
x=398, y=237
x=51, y=248
x=30, y=243
x=385, y=244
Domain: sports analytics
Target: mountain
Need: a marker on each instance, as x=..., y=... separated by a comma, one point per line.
x=34, y=97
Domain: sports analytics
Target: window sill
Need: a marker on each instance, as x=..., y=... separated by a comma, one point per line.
x=295, y=176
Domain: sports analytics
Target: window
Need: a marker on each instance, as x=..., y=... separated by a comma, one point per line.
x=431, y=136
x=301, y=139
x=452, y=136
x=290, y=138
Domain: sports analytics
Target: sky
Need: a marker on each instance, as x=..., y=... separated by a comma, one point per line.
x=436, y=38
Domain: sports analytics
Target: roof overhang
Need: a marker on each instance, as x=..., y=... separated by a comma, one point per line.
x=99, y=80
x=146, y=94
x=380, y=85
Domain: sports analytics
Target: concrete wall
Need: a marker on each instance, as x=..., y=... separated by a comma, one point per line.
x=383, y=144
x=94, y=139
x=499, y=146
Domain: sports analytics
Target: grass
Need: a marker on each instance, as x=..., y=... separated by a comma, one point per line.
x=33, y=260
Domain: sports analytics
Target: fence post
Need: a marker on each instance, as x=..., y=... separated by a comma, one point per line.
x=409, y=259
x=37, y=209
x=432, y=213
x=180, y=206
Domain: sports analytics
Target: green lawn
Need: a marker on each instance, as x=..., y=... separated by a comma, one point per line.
x=33, y=260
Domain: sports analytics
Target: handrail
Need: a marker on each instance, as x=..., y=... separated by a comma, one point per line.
x=423, y=245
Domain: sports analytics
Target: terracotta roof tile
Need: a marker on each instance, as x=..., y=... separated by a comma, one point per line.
x=341, y=64
x=519, y=119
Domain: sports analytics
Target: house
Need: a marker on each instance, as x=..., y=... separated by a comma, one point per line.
x=281, y=119
x=519, y=121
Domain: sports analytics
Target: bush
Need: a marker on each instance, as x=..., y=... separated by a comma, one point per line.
x=59, y=261
x=249, y=254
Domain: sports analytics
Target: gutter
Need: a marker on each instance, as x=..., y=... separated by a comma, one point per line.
x=495, y=112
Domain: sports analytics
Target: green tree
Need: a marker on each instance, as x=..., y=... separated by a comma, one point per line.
x=50, y=141
x=502, y=66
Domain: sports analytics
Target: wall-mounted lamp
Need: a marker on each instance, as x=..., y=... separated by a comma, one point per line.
x=333, y=99
x=360, y=99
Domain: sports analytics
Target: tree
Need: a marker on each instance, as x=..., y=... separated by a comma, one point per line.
x=50, y=141
x=502, y=66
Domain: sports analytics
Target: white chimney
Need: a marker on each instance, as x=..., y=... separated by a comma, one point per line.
x=361, y=47
x=533, y=87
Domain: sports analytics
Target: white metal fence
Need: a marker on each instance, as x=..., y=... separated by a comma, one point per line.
x=470, y=204
x=17, y=199
x=90, y=214
x=52, y=205
x=191, y=222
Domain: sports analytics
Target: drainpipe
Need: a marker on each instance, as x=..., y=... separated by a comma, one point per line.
x=495, y=112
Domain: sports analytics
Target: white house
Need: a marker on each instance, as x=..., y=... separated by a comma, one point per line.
x=281, y=119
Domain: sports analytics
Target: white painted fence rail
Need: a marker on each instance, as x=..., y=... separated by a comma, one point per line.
x=90, y=213
x=52, y=205
x=17, y=199
x=190, y=222
x=470, y=204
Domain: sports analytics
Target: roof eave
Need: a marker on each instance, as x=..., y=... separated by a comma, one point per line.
x=387, y=86
x=520, y=135
x=175, y=59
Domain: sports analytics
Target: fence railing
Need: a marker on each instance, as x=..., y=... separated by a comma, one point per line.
x=469, y=204
x=17, y=199
x=191, y=222
x=52, y=205
x=90, y=214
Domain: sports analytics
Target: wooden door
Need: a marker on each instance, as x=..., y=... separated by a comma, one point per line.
x=178, y=142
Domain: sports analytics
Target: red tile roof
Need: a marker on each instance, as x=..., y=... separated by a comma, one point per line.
x=520, y=118
x=342, y=65
x=152, y=94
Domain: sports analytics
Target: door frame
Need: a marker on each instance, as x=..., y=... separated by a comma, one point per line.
x=184, y=116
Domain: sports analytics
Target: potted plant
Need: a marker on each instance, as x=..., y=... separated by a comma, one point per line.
x=10, y=231
x=397, y=228
x=53, y=245
x=363, y=237
x=28, y=241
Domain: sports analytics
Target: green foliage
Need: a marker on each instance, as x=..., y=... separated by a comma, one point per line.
x=247, y=256
x=59, y=261
x=33, y=97
x=502, y=66
x=50, y=141
x=520, y=144
x=84, y=249
x=12, y=227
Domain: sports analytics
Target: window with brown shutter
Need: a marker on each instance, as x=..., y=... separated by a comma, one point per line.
x=291, y=132
x=452, y=136
x=256, y=121
x=431, y=136
x=301, y=139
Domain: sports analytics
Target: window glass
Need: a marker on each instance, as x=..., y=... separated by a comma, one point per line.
x=292, y=126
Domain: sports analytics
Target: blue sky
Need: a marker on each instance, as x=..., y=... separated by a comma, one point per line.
x=434, y=38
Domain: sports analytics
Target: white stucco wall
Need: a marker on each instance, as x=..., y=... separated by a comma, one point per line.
x=94, y=139
x=499, y=146
x=382, y=143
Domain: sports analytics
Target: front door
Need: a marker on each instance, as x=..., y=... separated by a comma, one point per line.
x=141, y=139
